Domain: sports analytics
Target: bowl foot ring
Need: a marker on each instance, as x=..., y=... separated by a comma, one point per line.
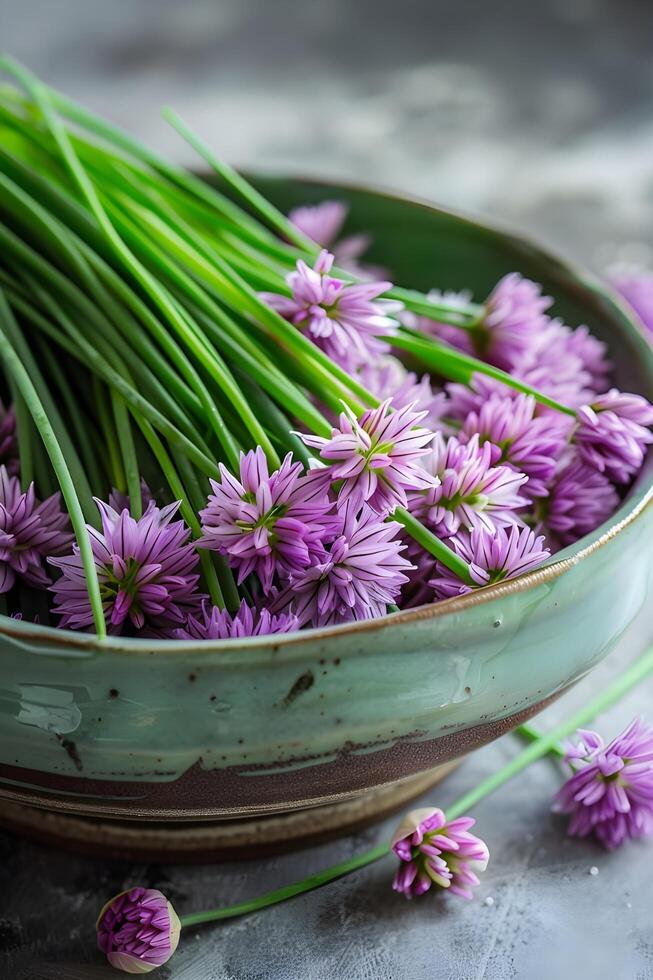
x=142, y=840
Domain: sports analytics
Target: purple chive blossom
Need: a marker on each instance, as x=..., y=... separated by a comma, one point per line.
x=29, y=532
x=518, y=336
x=592, y=354
x=434, y=851
x=637, y=290
x=265, y=523
x=515, y=315
x=565, y=364
x=138, y=930
x=579, y=500
x=612, y=433
x=492, y=556
x=387, y=378
x=146, y=568
x=610, y=793
x=383, y=376
x=528, y=444
x=375, y=458
x=356, y=577
x=8, y=440
x=219, y=624
x=467, y=490
x=344, y=319
x=466, y=398
x=567, y=385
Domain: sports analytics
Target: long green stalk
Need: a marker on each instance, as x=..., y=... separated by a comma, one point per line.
x=124, y=319
x=233, y=179
x=85, y=438
x=187, y=512
x=109, y=436
x=26, y=357
x=433, y=545
x=23, y=382
x=178, y=181
x=128, y=454
x=124, y=254
x=24, y=433
x=456, y=366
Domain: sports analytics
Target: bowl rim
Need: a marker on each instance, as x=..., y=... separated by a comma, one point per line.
x=567, y=558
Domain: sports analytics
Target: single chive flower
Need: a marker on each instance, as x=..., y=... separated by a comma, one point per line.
x=138, y=930
x=375, y=458
x=355, y=577
x=433, y=851
x=493, y=556
x=343, y=319
x=579, y=500
x=466, y=490
x=220, y=624
x=515, y=316
x=612, y=433
x=147, y=573
x=568, y=365
x=265, y=523
x=466, y=398
x=525, y=442
x=610, y=791
x=29, y=532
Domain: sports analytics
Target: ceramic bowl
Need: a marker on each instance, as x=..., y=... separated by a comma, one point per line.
x=169, y=731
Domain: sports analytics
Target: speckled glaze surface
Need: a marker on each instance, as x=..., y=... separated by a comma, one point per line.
x=132, y=729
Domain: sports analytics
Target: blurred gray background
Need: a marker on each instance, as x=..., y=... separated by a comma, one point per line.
x=538, y=114
x=535, y=114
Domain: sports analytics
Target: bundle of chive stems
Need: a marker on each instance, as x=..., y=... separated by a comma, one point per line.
x=133, y=338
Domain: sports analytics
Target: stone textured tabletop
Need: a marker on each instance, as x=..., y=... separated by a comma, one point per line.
x=536, y=114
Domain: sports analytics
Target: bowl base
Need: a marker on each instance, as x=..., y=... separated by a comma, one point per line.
x=239, y=839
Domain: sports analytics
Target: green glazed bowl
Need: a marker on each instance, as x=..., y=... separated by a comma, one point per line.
x=181, y=730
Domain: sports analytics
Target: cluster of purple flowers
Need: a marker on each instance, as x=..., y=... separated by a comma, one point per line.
x=321, y=557
x=506, y=481
x=502, y=478
x=518, y=336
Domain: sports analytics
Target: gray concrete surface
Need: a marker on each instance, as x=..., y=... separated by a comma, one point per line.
x=536, y=114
